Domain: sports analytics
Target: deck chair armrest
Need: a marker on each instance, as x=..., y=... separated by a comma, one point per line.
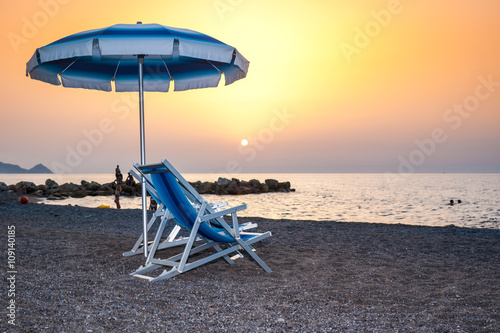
x=223, y=212
x=217, y=206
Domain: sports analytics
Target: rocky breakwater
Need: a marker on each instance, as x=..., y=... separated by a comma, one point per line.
x=224, y=186
x=53, y=191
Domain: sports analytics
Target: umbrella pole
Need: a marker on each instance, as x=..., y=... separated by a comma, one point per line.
x=140, y=62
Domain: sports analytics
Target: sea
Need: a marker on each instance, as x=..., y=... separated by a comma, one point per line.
x=415, y=199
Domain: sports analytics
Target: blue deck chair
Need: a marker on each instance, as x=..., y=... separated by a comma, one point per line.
x=204, y=224
x=165, y=226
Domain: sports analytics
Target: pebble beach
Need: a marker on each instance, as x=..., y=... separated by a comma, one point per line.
x=327, y=276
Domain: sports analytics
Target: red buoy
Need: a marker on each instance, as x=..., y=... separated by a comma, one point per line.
x=24, y=200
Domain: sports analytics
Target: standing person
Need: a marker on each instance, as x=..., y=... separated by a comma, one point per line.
x=117, y=196
x=118, y=174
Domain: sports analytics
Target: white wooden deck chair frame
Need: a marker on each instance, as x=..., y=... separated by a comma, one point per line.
x=164, y=217
x=180, y=263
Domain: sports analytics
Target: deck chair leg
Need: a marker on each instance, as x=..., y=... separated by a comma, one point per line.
x=252, y=254
x=226, y=257
x=156, y=241
x=135, y=249
x=249, y=249
x=173, y=233
x=192, y=238
x=217, y=248
x=187, y=249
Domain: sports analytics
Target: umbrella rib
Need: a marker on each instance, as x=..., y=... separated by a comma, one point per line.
x=166, y=67
x=61, y=73
x=214, y=66
x=69, y=65
x=117, y=65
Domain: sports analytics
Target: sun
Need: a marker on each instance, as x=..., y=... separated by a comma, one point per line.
x=244, y=142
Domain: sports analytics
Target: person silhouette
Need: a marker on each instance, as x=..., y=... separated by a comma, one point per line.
x=118, y=174
x=117, y=196
x=130, y=180
x=153, y=205
x=451, y=203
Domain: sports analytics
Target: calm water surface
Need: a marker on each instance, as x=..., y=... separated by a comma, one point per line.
x=418, y=199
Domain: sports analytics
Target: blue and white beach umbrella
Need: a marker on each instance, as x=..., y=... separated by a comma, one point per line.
x=137, y=57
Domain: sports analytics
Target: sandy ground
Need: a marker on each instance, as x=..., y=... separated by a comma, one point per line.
x=327, y=277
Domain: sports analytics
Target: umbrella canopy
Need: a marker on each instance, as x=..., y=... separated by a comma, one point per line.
x=93, y=59
x=137, y=57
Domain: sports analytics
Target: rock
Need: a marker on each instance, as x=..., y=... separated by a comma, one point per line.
x=93, y=186
x=85, y=183
x=79, y=194
x=43, y=188
x=254, y=183
x=222, y=181
x=26, y=187
x=197, y=187
x=273, y=184
x=3, y=187
x=53, y=190
x=58, y=195
x=195, y=184
x=104, y=192
x=50, y=183
x=220, y=190
x=69, y=187
x=128, y=190
x=264, y=188
x=208, y=187
x=106, y=187
x=205, y=187
x=240, y=190
x=283, y=187
x=233, y=183
x=38, y=193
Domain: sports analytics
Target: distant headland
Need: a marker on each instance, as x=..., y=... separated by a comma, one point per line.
x=12, y=168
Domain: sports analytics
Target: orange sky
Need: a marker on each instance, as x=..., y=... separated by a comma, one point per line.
x=374, y=86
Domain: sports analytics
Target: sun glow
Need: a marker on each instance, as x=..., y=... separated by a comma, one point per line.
x=353, y=76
